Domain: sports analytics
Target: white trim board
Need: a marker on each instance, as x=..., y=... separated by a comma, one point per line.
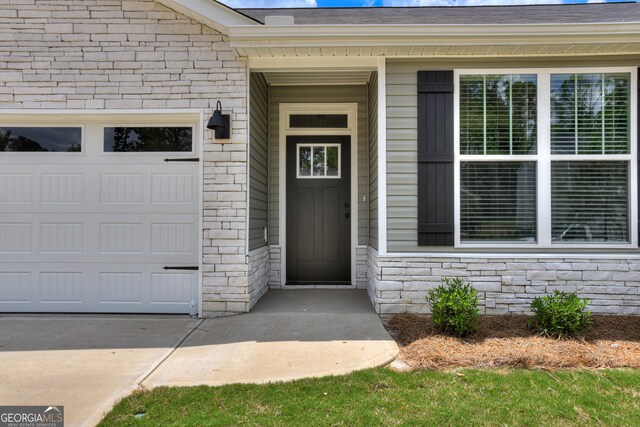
x=382, y=156
x=286, y=109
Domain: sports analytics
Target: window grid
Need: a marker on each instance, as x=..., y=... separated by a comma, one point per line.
x=327, y=171
x=544, y=159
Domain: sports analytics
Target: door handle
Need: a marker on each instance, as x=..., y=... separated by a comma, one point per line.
x=347, y=205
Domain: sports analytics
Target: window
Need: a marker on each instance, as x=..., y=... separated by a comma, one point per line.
x=318, y=161
x=148, y=139
x=498, y=196
x=337, y=121
x=545, y=158
x=41, y=139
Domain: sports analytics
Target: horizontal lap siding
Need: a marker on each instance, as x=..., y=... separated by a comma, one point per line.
x=402, y=136
x=319, y=94
x=373, y=161
x=258, y=160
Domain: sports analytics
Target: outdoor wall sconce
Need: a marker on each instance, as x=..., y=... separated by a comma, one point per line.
x=220, y=123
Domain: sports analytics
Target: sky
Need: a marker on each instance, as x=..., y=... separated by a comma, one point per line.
x=365, y=3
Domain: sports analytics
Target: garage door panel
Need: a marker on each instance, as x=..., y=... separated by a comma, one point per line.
x=15, y=287
x=93, y=188
x=108, y=288
x=15, y=188
x=62, y=287
x=62, y=188
x=15, y=237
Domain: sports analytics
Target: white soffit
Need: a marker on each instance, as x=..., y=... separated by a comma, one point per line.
x=436, y=40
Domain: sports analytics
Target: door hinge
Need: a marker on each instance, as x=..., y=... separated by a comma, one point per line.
x=183, y=159
x=181, y=268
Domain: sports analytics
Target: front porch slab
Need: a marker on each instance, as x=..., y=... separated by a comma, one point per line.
x=290, y=334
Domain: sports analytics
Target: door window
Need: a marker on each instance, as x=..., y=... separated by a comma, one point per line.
x=318, y=161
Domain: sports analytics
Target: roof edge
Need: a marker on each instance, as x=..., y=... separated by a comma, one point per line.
x=211, y=13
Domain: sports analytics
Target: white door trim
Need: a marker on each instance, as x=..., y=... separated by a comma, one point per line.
x=286, y=109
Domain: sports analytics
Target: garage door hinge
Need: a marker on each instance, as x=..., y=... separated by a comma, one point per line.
x=181, y=268
x=183, y=159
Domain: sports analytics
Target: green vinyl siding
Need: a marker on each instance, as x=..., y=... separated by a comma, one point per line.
x=373, y=161
x=258, y=160
x=319, y=94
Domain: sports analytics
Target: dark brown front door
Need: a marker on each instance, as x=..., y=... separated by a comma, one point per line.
x=318, y=209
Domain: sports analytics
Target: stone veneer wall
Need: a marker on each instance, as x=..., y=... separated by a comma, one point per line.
x=112, y=54
x=399, y=284
x=259, y=274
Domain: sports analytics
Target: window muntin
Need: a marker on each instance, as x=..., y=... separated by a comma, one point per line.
x=40, y=139
x=601, y=162
x=148, y=139
x=318, y=161
x=590, y=113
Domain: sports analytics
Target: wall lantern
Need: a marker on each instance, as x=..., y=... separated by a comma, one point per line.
x=220, y=123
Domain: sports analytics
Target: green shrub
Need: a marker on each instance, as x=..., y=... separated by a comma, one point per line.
x=454, y=308
x=560, y=315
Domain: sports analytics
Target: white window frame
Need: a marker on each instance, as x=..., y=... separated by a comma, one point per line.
x=51, y=123
x=148, y=124
x=544, y=158
x=319, y=145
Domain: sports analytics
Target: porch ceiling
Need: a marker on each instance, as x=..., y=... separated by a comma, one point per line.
x=317, y=78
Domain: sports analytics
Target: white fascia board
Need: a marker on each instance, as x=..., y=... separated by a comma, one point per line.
x=210, y=13
x=406, y=35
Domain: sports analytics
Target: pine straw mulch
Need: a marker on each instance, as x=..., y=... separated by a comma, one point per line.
x=505, y=341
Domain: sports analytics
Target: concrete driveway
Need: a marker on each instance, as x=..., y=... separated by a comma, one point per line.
x=85, y=363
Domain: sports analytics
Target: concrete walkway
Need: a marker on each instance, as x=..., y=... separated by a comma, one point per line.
x=88, y=363
x=84, y=363
x=288, y=335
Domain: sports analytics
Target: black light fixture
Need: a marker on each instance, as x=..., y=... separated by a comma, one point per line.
x=220, y=123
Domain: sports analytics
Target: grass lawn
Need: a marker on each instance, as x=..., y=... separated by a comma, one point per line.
x=383, y=397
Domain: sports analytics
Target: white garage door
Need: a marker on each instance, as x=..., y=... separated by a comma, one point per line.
x=92, y=219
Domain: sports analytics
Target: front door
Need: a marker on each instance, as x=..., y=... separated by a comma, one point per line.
x=318, y=209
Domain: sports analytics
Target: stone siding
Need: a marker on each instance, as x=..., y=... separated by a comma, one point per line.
x=275, y=254
x=506, y=285
x=259, y=274
x=111, y=54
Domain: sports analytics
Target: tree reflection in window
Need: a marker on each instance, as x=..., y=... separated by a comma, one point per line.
x=40, y=139
x=148, y=139
x=318, y=161
x=590, y=113
x=498, y=114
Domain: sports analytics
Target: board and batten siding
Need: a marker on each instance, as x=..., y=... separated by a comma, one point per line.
x=319, y=94
x=373, y=160
x=258, y=160
x=402, y=138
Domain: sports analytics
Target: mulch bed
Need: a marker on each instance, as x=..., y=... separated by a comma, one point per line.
x=505, y=341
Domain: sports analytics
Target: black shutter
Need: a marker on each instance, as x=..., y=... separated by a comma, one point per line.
x=638, y=148
x=435, y=158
